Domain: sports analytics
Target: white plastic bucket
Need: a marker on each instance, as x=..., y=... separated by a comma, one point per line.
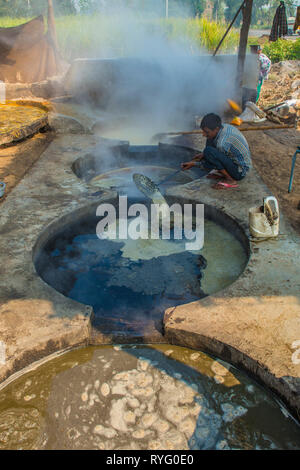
x=264, y=221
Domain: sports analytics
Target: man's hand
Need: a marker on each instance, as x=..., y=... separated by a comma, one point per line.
x=187, y=165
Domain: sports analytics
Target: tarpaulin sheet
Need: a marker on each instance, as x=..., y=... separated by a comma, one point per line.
x=27, y=54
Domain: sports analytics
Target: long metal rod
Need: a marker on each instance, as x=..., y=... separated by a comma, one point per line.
x=273, y=106
x=169, y=177
x=229, y=28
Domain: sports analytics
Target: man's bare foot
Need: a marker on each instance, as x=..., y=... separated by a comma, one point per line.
x=226, y=184
x=215, y=176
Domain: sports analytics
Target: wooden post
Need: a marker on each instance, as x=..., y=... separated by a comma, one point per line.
x=51, y=26
x=247, y=14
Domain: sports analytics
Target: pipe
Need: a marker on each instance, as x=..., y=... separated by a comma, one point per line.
x=292, y=169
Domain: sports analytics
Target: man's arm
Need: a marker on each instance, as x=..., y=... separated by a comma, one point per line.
x=193, y=162
x=187, y=165
x=198, y=157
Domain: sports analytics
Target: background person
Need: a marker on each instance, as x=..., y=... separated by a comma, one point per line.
x=264, y=69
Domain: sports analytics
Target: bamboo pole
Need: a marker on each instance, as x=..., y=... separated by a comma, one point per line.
x=51, y=25
x=264, y=128
x=156, y=137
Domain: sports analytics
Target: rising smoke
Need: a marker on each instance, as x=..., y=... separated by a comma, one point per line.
x=157, y=84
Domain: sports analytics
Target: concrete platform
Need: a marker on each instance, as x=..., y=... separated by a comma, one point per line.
x=254, y=324
x=35, y=320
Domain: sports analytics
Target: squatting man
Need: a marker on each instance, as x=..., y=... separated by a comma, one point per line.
x=226, y=156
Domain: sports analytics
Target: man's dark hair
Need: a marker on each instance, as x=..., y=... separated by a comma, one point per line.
x=211, y=121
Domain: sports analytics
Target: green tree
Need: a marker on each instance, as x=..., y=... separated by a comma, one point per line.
x=198, y=7
x=218, y=9
x=30, y=8
x=264, y=10
x=231, y=8
x=257, y=9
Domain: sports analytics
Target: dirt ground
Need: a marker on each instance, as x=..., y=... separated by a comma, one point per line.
x=272, y=153
x=283, y=84
x=16, y=160
x=272, y=150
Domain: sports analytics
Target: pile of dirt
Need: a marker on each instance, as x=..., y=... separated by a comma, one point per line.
x=272, y=153
x=272, y=150
x=283, y=84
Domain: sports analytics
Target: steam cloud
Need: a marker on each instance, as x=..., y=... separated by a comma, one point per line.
x=161, y=85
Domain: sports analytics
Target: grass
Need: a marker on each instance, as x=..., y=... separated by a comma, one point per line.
x=282, y=50
x=211, y=33
x=7, y=21
x=90, y=36
x=103, y=36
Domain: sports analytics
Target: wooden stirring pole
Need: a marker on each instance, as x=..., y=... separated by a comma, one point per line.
x=157, y=137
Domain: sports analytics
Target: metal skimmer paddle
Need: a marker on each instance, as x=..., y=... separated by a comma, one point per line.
x=147, y=186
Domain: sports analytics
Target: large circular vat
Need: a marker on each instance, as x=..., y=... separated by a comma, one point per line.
x=141, y=397
x=114, y=159
x=131, y=282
